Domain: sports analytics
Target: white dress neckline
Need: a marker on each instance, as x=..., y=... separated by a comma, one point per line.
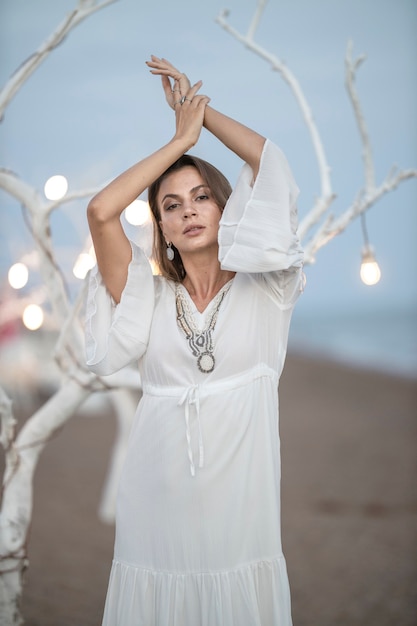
x=200, y=317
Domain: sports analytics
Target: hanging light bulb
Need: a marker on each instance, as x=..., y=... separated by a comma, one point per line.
x=370, y=272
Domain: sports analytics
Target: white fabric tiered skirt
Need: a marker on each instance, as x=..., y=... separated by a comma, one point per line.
x=256, y=594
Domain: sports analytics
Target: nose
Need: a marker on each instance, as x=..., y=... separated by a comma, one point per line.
x=188, y=209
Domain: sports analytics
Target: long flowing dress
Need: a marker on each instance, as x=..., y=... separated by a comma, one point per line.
x=198, y=539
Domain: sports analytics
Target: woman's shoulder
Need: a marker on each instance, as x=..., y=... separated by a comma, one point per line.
x=163, y=286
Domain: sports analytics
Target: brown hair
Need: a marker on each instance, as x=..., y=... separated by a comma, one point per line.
x=221, y=190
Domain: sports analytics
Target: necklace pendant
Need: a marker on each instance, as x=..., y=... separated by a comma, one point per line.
x=206, y=362
x=200, y=341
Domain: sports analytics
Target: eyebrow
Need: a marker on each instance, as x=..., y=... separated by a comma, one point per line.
x=176, y=196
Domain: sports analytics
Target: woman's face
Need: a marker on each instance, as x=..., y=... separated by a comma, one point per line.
x=189, y=214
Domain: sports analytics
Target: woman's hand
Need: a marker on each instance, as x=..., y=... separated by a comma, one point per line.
x=180, y=85
x=189, y=106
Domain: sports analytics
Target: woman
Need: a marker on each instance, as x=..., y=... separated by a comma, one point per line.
x=198, y=513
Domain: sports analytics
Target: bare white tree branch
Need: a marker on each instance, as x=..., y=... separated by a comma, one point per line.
x=22, y=453
x=39, y=212
x=70, y=197
x=326, y=226
x=326, y=194
x=256, y=19
x=350, y=75
x=83, y=9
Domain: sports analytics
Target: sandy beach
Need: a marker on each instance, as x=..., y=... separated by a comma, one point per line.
x=349, y=504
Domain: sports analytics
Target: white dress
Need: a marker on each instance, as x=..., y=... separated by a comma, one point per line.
x=198, y=514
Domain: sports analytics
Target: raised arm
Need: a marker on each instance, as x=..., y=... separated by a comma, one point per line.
x=243, y=141
x=112, y=247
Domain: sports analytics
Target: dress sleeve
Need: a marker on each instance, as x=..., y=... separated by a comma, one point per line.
x=117, y=335
x=258, y=228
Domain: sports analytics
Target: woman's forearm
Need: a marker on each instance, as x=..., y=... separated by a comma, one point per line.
x=243, y=141
x=117, y=195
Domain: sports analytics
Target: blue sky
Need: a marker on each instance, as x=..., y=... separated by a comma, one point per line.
x=92, y=109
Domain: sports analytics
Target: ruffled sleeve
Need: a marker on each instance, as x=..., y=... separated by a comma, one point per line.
x=258, y=228
x=117, y=335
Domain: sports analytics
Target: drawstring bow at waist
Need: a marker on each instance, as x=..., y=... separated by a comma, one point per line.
x=190, y=397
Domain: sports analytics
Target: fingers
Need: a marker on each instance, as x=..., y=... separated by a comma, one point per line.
x=172, y=94
x=189, y=117
x=177, y=88
x=191, y=97
x=193, y=90
x=164, y=68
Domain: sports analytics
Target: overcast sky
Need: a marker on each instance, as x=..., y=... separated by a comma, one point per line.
x=93, y=108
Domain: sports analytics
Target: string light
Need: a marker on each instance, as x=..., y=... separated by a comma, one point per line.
x=33, y=316
x=370, y=272
x=83, y=264
x=137, y=213
x=18, y=275
x=56, y=187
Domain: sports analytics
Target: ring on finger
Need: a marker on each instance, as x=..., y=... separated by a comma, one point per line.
x=183, y=99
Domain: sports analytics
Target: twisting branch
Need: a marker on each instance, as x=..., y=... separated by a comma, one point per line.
x=256, y=19
x=327, y=196
x=22, y=454
x=70, y=197
x=360, y=205
x=8, y=424
x=350, y=74
x=38, y=221
x=327, y=226
x=83, y=9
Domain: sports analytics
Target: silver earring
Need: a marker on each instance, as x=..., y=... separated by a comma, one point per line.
x=170, y=251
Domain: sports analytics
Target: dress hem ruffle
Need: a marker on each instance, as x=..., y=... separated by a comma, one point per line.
x=253, y=594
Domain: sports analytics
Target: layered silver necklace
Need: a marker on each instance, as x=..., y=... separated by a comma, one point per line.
x=199, y=340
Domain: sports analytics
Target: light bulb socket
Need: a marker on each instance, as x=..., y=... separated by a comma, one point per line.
x=368, y=253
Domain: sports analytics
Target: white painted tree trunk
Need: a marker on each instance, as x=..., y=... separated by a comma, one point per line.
x=22, y=452
x=22, y=456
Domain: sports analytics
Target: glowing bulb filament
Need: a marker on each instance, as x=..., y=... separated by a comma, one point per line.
x=370, y=272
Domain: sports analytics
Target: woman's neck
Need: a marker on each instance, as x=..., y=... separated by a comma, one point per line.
x=203, y=282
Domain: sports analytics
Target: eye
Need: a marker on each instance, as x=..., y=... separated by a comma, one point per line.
x=203, y=196
x=171, y=207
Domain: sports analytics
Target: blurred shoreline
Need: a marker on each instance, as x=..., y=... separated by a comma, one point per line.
x=384, y=341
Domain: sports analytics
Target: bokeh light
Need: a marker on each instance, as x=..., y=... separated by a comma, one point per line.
x=83, y=264
x=33, y=317
x=56, y=187
x=18, y=275
x=370, y=272
x=137, y=213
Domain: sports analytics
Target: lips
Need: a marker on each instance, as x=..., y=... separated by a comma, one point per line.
x=193, y=228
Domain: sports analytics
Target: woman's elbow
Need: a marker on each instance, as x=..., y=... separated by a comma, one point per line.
x=96, y=211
